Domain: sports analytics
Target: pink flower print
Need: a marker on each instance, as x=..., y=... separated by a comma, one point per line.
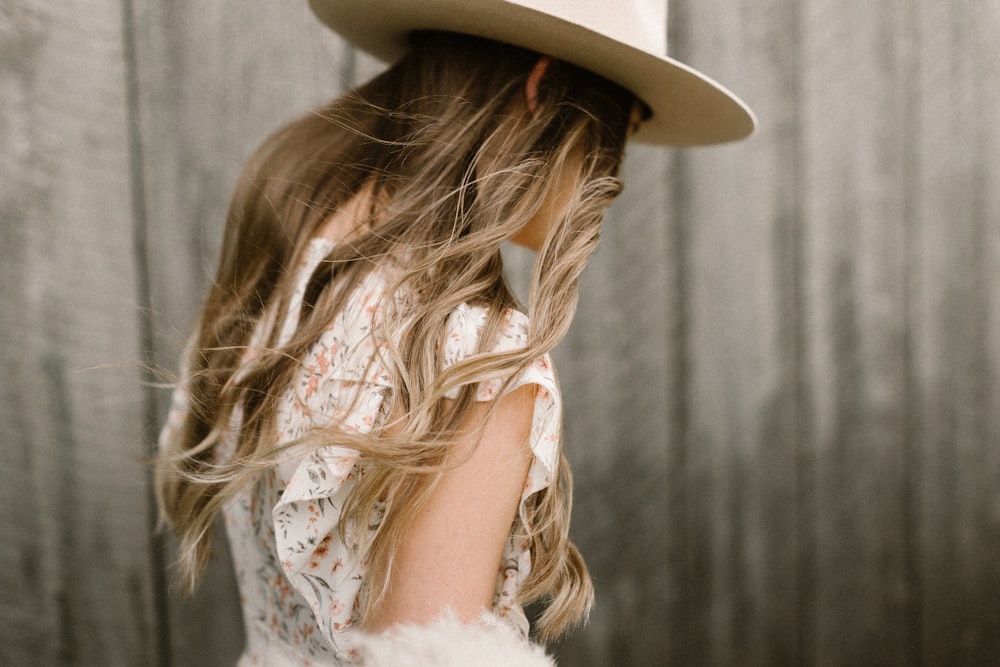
x=336, y=607
x=487, y=390
x=320, y=552
x=340, y=627
x=313, y=385
x=323, y=361
x=282, y=586
x=342, y=468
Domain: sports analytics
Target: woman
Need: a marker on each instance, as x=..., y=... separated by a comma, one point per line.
x=362, y=400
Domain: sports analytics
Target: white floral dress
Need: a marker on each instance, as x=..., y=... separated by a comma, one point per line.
x=298, y=581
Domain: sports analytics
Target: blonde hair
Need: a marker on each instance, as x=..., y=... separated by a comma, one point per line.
x=455, y=168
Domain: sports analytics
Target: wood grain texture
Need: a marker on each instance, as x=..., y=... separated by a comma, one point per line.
x=955, y=271
x=740, y=210
x=856, y=299
x=76, y=570
x=782, y=387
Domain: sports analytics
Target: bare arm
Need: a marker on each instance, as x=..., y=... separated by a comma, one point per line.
x=450, y=554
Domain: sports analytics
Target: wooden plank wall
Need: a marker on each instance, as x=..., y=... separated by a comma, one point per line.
x=76, y=575
x=782, y=386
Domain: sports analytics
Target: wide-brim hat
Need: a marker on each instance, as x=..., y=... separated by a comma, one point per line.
x=624, y=41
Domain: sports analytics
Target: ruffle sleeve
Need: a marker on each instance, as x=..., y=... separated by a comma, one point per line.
x=462, y=334
x=462, y=338
x=343, y=383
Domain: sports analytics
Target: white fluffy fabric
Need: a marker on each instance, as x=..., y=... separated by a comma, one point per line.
x=449, y=643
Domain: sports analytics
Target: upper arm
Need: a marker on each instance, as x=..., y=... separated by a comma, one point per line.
x=450, y=553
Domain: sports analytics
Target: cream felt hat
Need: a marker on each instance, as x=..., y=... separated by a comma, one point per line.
x=624, y=41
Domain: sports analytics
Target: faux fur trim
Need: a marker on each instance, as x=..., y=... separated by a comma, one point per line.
x=449, y=643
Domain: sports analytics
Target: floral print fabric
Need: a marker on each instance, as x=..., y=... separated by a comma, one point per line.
x=298, y=580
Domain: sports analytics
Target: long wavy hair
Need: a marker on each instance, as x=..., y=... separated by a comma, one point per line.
x=451, y=165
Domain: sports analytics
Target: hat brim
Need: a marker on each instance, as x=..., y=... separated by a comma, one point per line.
x=688, y=108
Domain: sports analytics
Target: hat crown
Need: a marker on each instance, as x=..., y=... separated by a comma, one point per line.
x=624, y=41
x=641, y=23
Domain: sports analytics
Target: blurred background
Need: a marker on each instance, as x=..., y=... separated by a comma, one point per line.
x=782, y=386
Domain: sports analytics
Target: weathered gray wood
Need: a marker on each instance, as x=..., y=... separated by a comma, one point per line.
x=856, y=295
x=76, y=568
x=738, y=209
x=954, y=258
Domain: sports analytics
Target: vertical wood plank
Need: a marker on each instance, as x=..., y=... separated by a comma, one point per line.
x=744, y=387
x=75, y=570
x=955, y=255
x=855, y=126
